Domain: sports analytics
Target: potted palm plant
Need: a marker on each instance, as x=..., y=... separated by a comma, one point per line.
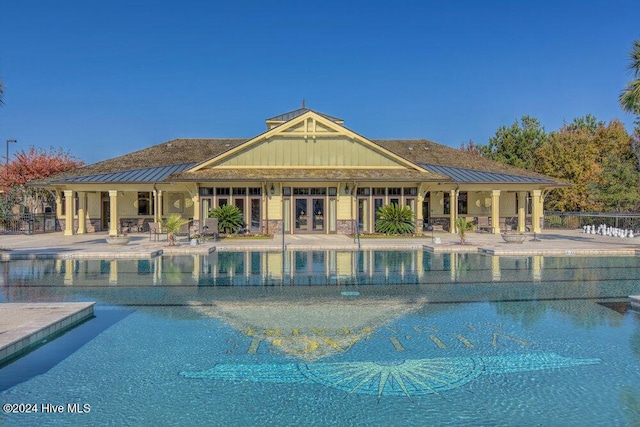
x=172, y=224
x=462, y=226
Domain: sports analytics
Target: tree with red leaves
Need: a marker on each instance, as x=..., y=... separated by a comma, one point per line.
x=33, y=165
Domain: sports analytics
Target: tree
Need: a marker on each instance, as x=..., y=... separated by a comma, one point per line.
x=18, y=176
x=597, y=159
x=516, y=145
x=394, y=219
x=630, y=97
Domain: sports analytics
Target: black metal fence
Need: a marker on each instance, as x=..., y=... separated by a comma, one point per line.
x=29, y=224
x=574, y=220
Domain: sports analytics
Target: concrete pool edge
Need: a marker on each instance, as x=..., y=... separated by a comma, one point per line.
x=24, y=326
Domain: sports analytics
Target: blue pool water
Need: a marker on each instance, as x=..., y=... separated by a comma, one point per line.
x=325, y=338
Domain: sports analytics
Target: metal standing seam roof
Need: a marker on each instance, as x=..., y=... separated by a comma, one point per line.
x=470, y=175
x=285, y=117
x=144, y=175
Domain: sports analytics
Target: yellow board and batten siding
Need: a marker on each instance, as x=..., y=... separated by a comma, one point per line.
x=320, y=152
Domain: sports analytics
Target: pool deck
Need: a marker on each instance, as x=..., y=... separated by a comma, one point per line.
x=94, y=245
x=25, y=326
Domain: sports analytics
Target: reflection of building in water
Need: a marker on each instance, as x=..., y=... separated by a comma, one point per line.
x=303, y=268
x=309, y=330
x=326, y=267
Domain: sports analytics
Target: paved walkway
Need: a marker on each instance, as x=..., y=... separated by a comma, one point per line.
x=94, y=245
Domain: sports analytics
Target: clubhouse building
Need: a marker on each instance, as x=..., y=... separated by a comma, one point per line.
x=307, y=173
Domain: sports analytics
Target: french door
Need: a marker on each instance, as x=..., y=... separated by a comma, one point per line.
x=309, y=215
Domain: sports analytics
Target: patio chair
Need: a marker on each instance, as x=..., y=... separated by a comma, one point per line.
x=210, y=228
x=185, y=231
x=483, y=224
x=155, y=231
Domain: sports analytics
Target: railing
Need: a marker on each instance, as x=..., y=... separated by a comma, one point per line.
x=29, y=224
x=573, y=220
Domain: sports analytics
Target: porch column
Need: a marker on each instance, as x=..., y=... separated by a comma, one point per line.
x=495, y=211
x=522, y=211
x=419, y=222
x=453, y=210
x=113, y=209
x=68, y=209
x=536, y=215
x=159, y=204
x=196, y=208
x=82, y=212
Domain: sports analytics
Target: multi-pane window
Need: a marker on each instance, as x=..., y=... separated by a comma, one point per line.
x=462, y=202
x=145, y=203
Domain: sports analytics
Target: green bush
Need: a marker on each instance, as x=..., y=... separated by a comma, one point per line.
x=230, y=218
x=394, y=219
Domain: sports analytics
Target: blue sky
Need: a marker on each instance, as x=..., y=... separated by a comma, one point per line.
x=101, y=79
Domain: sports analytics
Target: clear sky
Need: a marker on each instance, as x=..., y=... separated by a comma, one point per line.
x=103, y=78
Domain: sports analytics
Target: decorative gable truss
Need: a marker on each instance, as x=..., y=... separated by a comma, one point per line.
x=309, y=141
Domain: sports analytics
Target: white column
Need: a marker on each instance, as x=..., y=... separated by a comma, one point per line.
x=68, y=209
x=82, y=212
x=537, y=213
x=113, y=209
x=495, y=211
x=522, y=211
x=453, y=210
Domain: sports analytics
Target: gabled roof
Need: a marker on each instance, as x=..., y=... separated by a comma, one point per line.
x=285, y=117
x=171, y=153
x=423, y=152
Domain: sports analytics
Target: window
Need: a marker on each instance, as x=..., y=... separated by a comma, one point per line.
x=222, y=191
x=206, y=191
x=333, y=191
x=255, y=191
x=363, y=191
x=239, y=191
x=286, y=191
x=395, y=191
x=145, y=203
x=462, y=202
x=411, y=191
x=379, y=191
x=446, y=203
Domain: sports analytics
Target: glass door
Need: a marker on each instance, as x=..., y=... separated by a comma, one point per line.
x=301, y=215
x=255, y=215
x=318, y=215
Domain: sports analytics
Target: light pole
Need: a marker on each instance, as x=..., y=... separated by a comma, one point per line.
x=8, y=142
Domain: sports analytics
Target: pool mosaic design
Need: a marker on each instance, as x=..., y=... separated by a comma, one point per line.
x=397, y=378
x=550, y=342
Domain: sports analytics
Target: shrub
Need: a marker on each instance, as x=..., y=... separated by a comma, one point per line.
x=394, y=219
x=230, y=218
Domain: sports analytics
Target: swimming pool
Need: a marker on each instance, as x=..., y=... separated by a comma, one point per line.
x=410, y=338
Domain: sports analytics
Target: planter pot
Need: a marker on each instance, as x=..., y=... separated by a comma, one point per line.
x=118, y=240
x=514, y=238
